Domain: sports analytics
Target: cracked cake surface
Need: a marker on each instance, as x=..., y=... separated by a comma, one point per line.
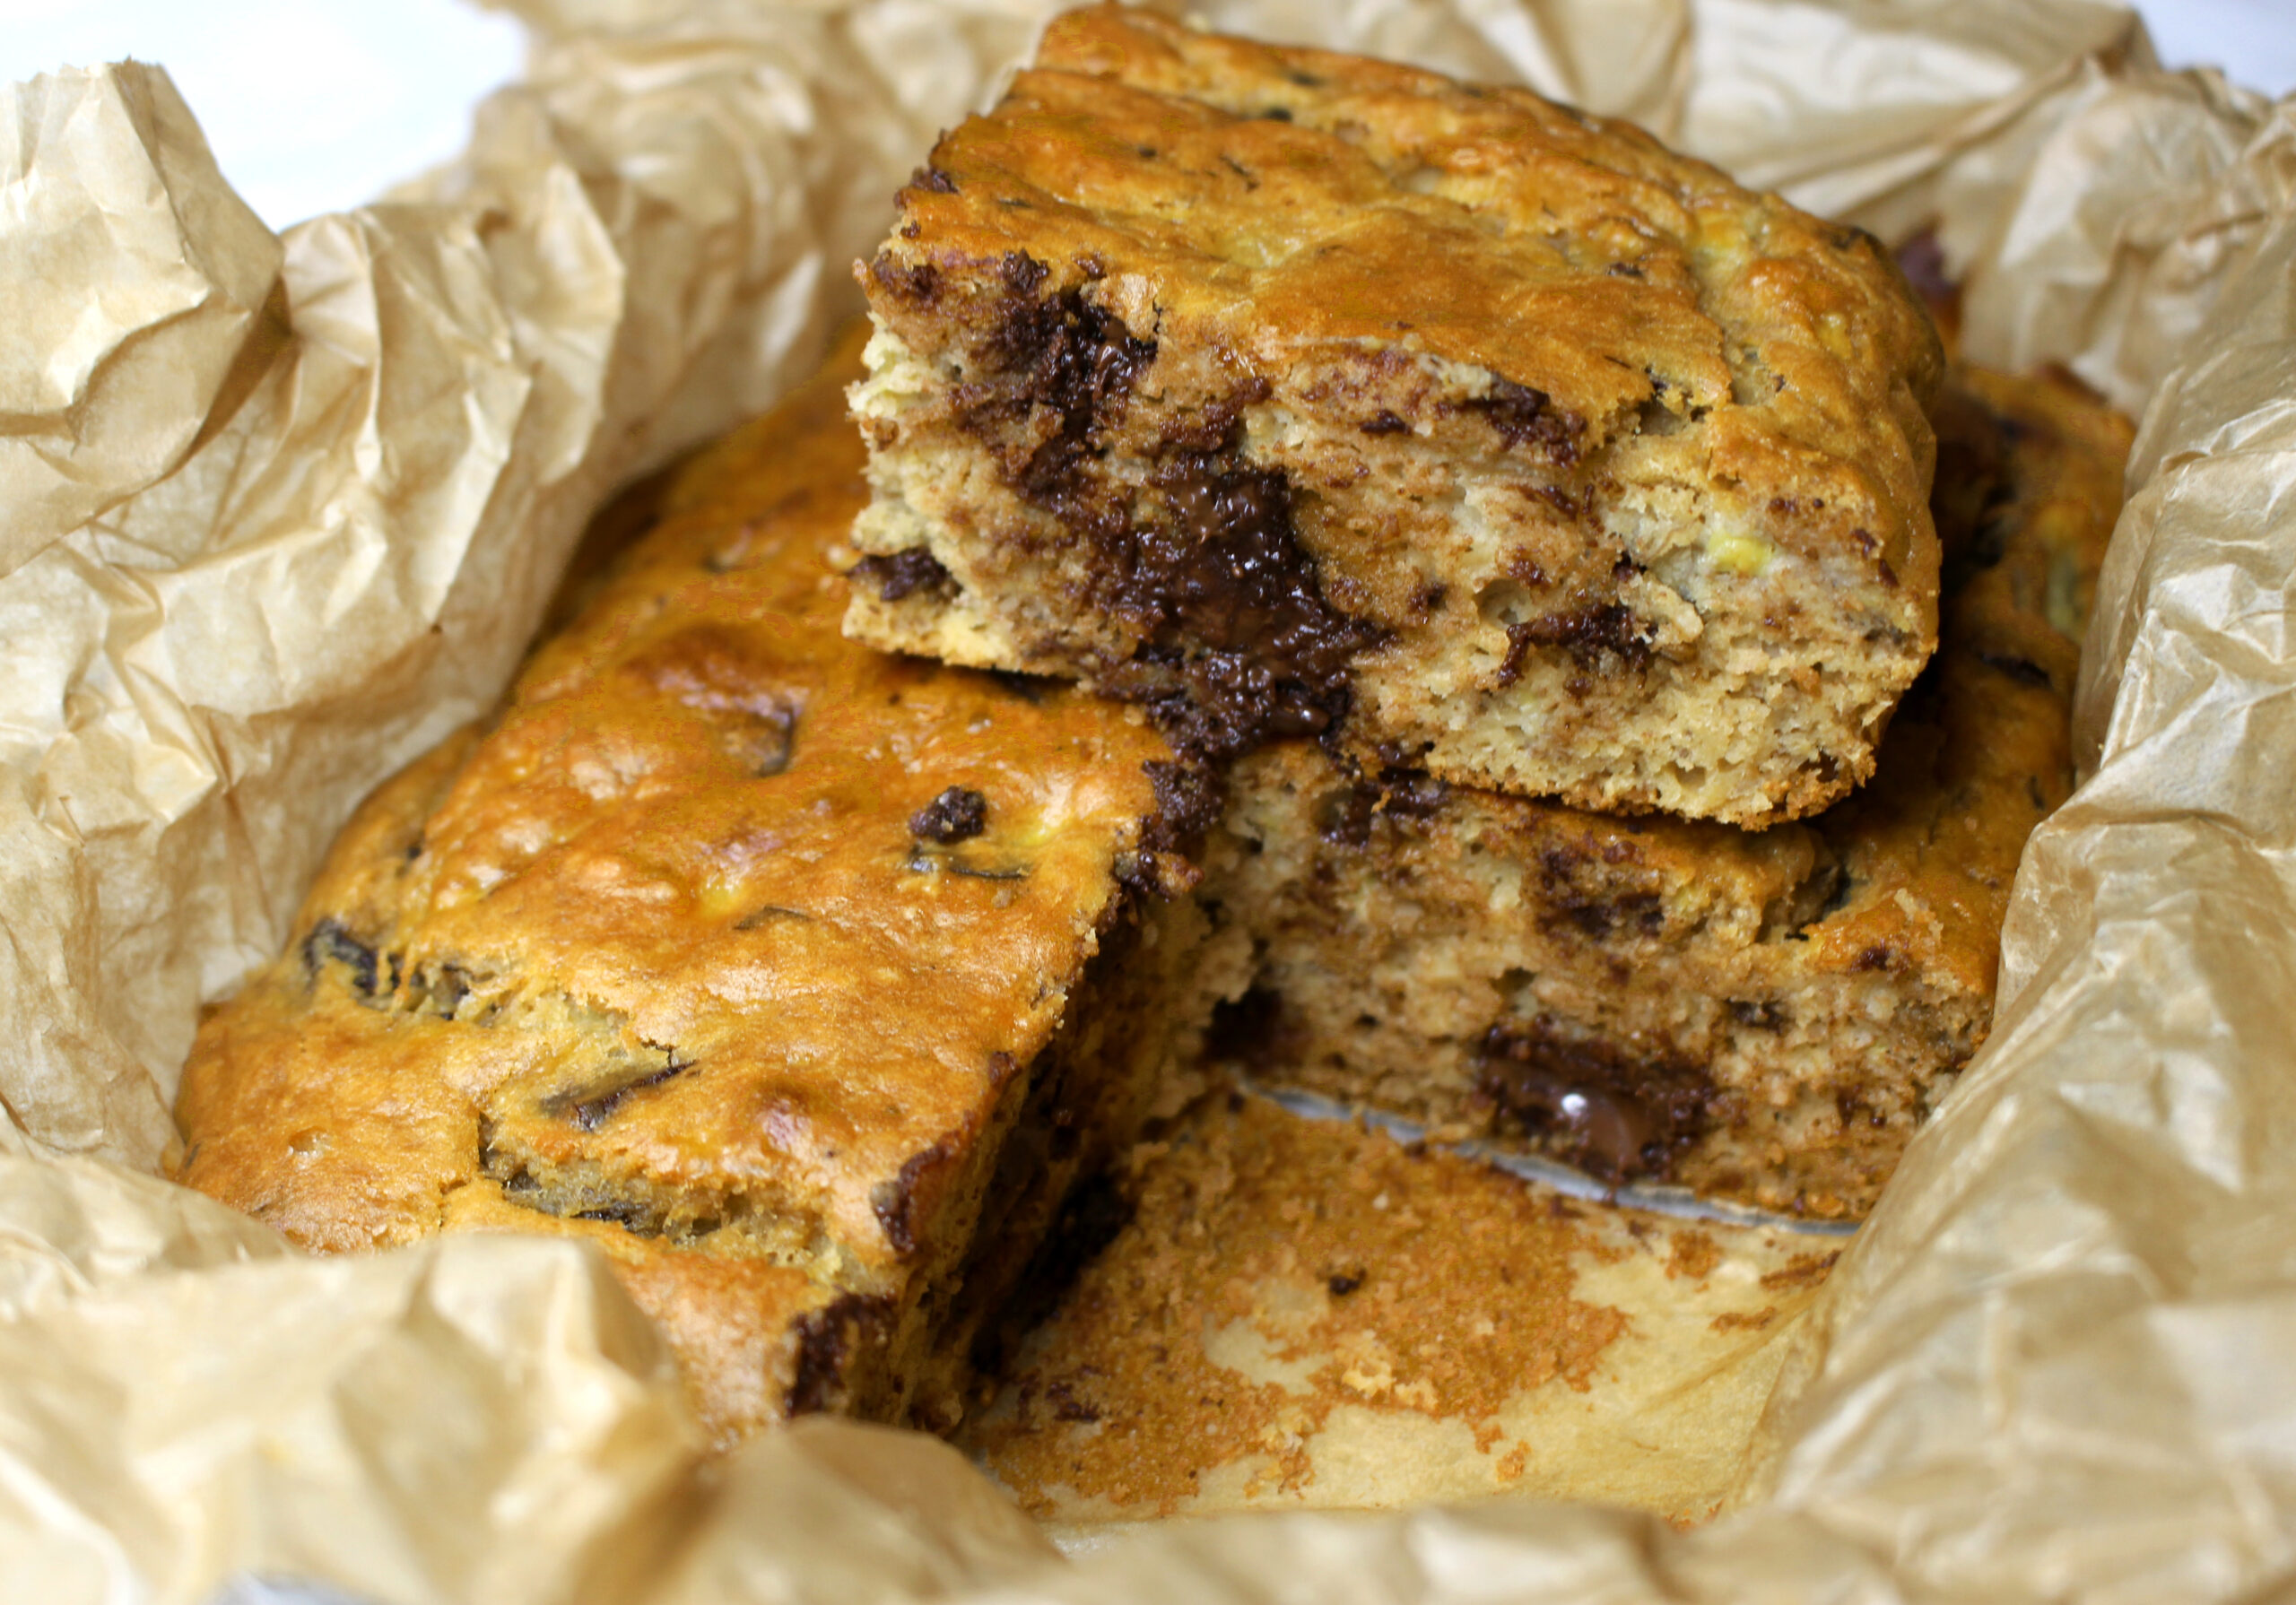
x=1764, y=1017
x=800, y=980
x=1290, y=393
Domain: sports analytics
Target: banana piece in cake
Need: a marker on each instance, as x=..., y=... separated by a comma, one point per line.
x=800, y=980
x=1297, y=393
x=1762, y=1016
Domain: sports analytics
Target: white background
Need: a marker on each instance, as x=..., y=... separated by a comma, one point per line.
x=293, y=150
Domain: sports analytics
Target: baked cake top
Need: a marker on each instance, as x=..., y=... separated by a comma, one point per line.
x=1287, y=201
x=726, y=929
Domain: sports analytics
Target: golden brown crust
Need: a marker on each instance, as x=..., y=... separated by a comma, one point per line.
x=1568, y=426
x=676, y=956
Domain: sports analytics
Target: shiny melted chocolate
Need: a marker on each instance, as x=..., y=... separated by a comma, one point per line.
x=1616, y=1118
x=1240, y=645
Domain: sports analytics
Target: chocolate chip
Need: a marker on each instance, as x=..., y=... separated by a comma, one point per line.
x=1343, y=1283
x=1759, y=1017
x=894, y=1202
x=918, y=283
x=1524, y=416
x=331, y=939
x=902, y=574
x=591, y=1111
x=1615, y=1114
x=827, y=1339
x=958, y=814
x=1880, y=956
x=1588, y=634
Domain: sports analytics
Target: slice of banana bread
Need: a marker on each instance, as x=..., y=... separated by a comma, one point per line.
x=1762, y=1016
x=801, y=980
x=1293, y=393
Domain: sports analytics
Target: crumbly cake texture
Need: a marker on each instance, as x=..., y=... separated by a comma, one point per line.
x=1305, y=1314
x=1764, y=1017
x=1293, y=393
x=800, y=979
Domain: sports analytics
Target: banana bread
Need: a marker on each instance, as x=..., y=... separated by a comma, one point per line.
x=1292, y=393
x=801, y=980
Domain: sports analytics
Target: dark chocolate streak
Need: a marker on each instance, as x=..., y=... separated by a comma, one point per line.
x=591, y=1112
x=1240, y=645
x=1585, y=633
x=827, y=1339
x=1615, y=1116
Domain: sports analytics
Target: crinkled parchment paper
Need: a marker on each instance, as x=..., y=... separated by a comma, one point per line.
x=278, y=511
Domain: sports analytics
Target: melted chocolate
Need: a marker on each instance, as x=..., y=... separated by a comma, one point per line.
x=1526, y=417
x=1241, y=647
x=1585, y=633
x=1210, y=570
x=1615, y=1116
x=904, y=574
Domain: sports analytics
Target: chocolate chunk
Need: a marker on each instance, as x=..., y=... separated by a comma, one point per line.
x=1616, y=1116
x=1343, y=816
x=919, y=284
x=1344, y=1282
x=1588, y=634
x=331, y=939
x=1070, y=355
x=958, y=814
x=1524, y=416
x=827, y=1339
x=904, y=574
x=894, y=1202
x=1191, y=798
x=1246, y=1030
x=591, y=1111
x=1205, y=566
x=1600, y=909
x=1759, y=1017
x=1216, y=579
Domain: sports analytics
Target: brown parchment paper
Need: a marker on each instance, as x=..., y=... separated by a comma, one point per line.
x=275, y=512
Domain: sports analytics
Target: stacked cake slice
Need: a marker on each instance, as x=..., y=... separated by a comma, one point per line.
x=1296, y=393
x=1458, y=464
